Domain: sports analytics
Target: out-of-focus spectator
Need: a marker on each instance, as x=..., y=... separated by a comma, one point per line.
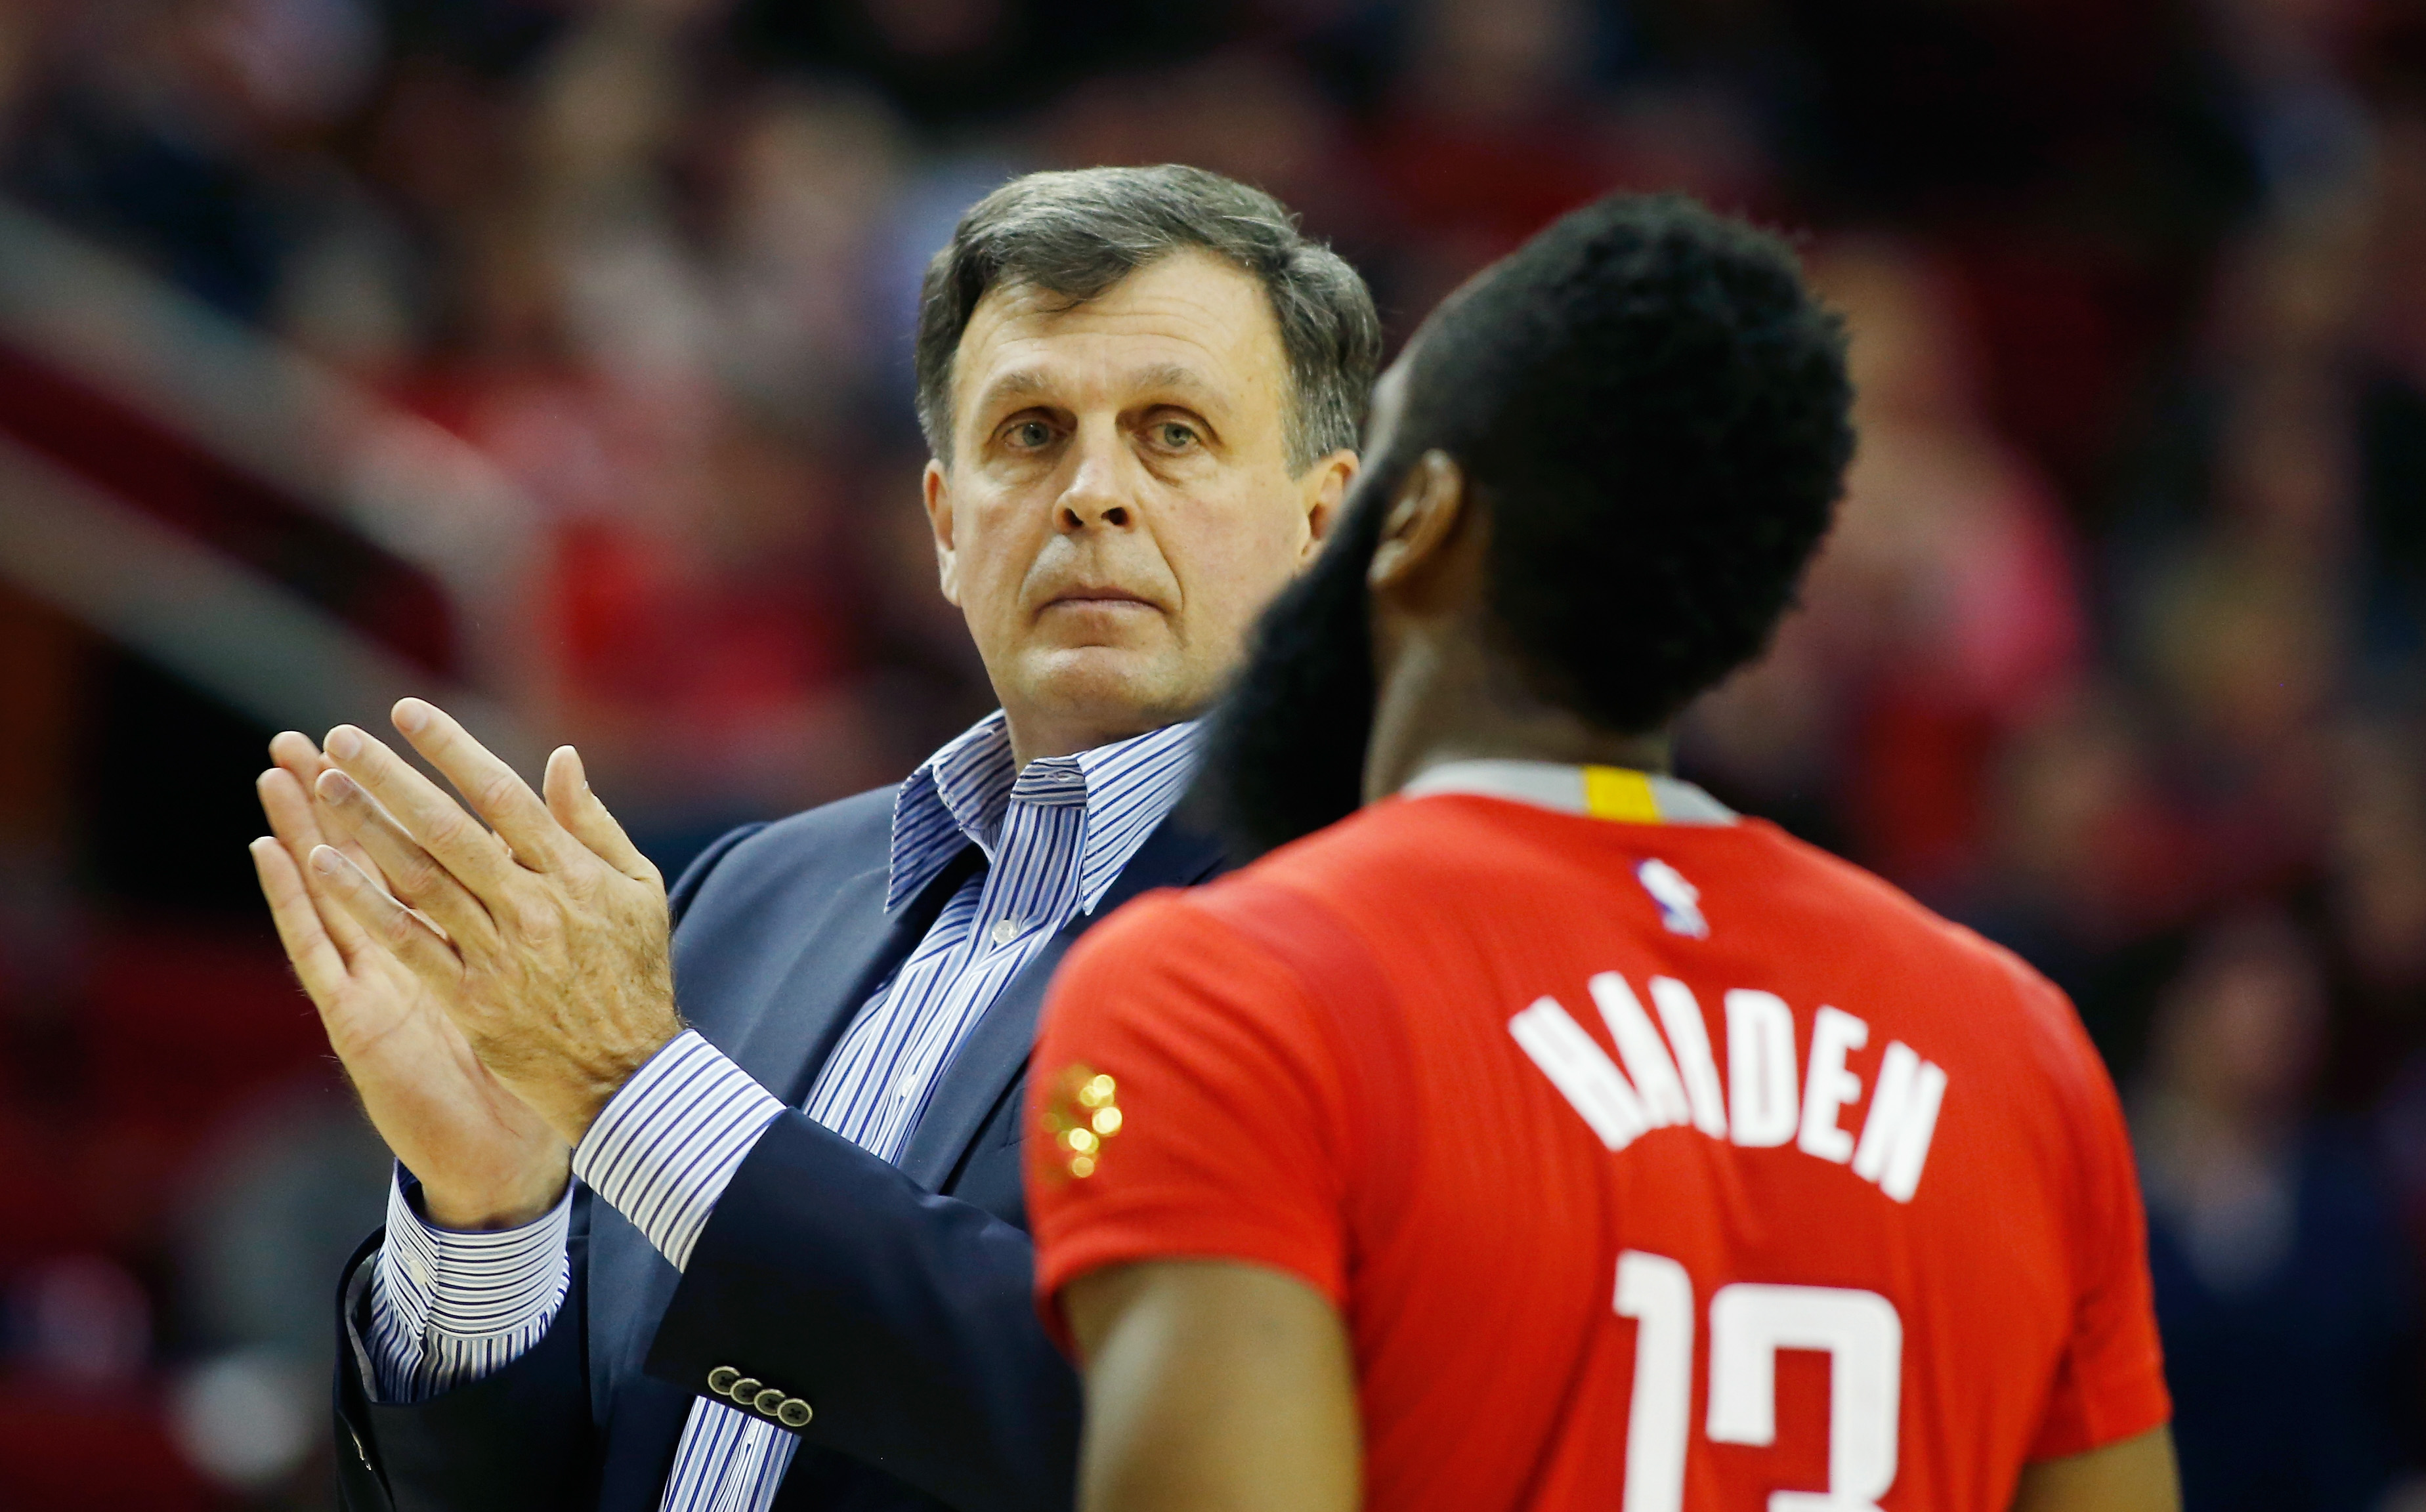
x=2283, y=1290
x=2090, y=872
x=2238, y=583
x=1487, y=132
x=2375, y=901
x=1254, y=114
x=2391, y=355
x=1942, y=615
x=808, y=182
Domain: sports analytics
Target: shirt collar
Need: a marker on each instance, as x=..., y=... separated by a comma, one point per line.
x=962, y=795
x=1602, y=792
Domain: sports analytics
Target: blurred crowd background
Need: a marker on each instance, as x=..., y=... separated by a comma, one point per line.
x=552, y=356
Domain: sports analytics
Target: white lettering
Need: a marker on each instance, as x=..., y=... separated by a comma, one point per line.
x=1578, y=1067
x=1829, y=1087
x=1690, y=1038
x=1760, y=1068
x=1864, y=1340
x=1902, y=1119
x=1673, y=1079
x=1646, y=1059
x=1658, y=1295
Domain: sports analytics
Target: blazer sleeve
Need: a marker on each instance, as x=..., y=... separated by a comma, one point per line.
x=519, y=1440
x=904, y=1319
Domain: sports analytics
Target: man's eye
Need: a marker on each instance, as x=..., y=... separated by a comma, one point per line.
x=1173, y=434
x=1030, y=433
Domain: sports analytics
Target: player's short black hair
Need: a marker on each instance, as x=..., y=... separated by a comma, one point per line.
x=1652, y=407
x=1652, y=410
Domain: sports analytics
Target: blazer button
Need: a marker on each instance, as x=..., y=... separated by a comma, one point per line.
x=720, y=1379
x=768, y=1401
x=794, y=1413
x=746, y=1390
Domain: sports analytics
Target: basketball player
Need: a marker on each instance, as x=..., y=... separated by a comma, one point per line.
x=1545, y=1135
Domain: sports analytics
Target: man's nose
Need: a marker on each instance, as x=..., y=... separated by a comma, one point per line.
x=1101, y=490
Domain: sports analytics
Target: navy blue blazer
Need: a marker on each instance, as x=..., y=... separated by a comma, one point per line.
x=897, y=1301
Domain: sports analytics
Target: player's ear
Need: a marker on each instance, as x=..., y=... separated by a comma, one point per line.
x=1424, y=520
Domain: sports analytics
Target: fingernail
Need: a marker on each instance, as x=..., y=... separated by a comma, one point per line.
x=324, y=860
x=345, y=743
x=410, y=715
x=335, y=786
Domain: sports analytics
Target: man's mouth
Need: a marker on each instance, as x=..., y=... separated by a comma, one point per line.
x=1093, y=598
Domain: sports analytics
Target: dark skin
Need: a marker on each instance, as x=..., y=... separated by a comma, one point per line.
x=1224, y=1387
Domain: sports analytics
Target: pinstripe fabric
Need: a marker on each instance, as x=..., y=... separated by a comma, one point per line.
x=448, y=1306
x=1054, y=837
x=668, y=1141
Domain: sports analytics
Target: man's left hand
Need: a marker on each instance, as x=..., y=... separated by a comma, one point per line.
x=551, y=932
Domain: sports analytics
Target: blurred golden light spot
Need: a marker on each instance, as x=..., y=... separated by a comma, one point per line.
x=1075, y=1119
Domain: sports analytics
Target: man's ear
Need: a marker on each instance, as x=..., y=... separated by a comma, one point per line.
x=1325, y=486
x=938, y=488
x=1423, y=521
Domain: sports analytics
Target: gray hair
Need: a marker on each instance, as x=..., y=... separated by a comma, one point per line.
x=1077, y=234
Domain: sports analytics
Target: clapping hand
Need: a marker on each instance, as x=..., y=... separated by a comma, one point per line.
x=541, y=932
x=485, y=1159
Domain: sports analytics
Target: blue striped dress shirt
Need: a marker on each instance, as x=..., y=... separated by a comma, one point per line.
x=448, y=1308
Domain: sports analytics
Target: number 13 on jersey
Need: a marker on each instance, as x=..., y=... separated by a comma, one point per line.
x=1859, y=1331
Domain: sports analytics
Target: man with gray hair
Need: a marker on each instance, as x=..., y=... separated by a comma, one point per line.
x=770, y=1250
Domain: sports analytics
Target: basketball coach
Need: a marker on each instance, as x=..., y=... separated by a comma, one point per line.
x=769, y=1252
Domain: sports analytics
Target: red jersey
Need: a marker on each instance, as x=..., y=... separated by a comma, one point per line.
x=1650, y=1165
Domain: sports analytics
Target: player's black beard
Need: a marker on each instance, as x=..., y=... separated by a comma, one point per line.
x=1285, y=754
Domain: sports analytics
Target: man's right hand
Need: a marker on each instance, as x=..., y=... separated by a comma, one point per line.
x=485, y=1160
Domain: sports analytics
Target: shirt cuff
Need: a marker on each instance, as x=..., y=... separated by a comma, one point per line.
x=668, y=1142
x=449, y=1305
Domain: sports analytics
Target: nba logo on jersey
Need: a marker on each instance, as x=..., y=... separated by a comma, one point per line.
x=1680, y=902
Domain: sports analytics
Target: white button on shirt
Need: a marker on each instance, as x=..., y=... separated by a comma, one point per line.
x=1055, y=835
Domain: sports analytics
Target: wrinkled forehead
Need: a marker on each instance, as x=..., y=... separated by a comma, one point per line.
x=1187, y=320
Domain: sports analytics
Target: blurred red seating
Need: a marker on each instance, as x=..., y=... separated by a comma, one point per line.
x=184, y=1022
x=108, y=1451
x=42, y=1207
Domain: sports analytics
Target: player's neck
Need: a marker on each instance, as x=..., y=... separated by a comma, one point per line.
x=1447, y=698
